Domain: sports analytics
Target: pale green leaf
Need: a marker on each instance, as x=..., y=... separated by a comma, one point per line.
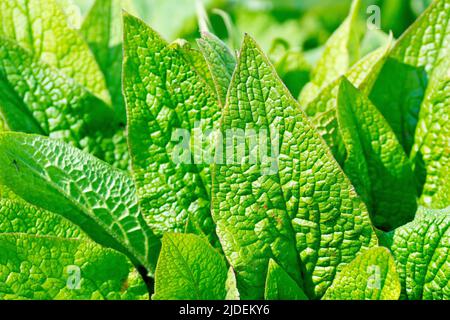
x=41, y=27
x=221, y=62
x=371, y=276
x=340, y=53
x=280, y=286
x=231, y=286
x=189, y=268
x=102, y=30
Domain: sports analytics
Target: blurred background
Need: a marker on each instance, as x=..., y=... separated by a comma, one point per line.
x=301, y=24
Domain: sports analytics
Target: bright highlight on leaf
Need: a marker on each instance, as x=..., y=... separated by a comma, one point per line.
x=189, y=268
x=371, y=276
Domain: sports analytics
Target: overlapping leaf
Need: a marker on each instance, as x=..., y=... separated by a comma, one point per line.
x=86, y=191
x=189, y=268
x=371, y=276
x=431, y=150
x=422, y=254
x=221, y=62
x=166, y=102
x=401, y=86
x=40, y=26
x=280, y=286
x=306, y=216
x=340, y=53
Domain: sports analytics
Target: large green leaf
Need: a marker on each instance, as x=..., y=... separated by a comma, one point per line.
x=431, y=150
x=400, y=88
x=340, y=53
x=41, y=27
x=189, y=268
x=167, y=102
x=422, y=254
x=371, y=276
x=280, y=286
x=221, y=62
x=298, y=207
x=86, y=191
x=37, y=267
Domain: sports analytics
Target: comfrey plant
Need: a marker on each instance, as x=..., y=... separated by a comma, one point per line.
x=141, y=169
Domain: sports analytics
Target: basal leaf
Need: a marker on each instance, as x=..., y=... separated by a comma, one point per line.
x=41, y=27
x=166, y=102
x=280, y=286
x=422, y=254
x=340, y=53
x=296, y=207
x=400, y=88
x=101, y=200
x=371, y=276
x=431, y=150
x=189, y=268
x=41, y=268
x=220, y=60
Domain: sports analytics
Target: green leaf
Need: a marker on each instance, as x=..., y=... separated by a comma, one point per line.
x=340, y=53
x=422, y=254
x=431, y=150
x=294, y=70
x=88, y=192
x=196, y=59
x=14, y=114
x=20, y=217
x=364, y=73
x=41, y=27
x=221, y=62
x=102, y=30
x=409, y=67
x=371, y=276
x=280, y=286
x=297, y=207
x=49, y=102
x=189, y=268
x=231, y=286
x=166, y=101
x=375, y=162
x=36, y=267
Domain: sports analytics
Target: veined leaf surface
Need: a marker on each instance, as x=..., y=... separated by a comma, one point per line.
x=93, y=195
x=307, y=216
